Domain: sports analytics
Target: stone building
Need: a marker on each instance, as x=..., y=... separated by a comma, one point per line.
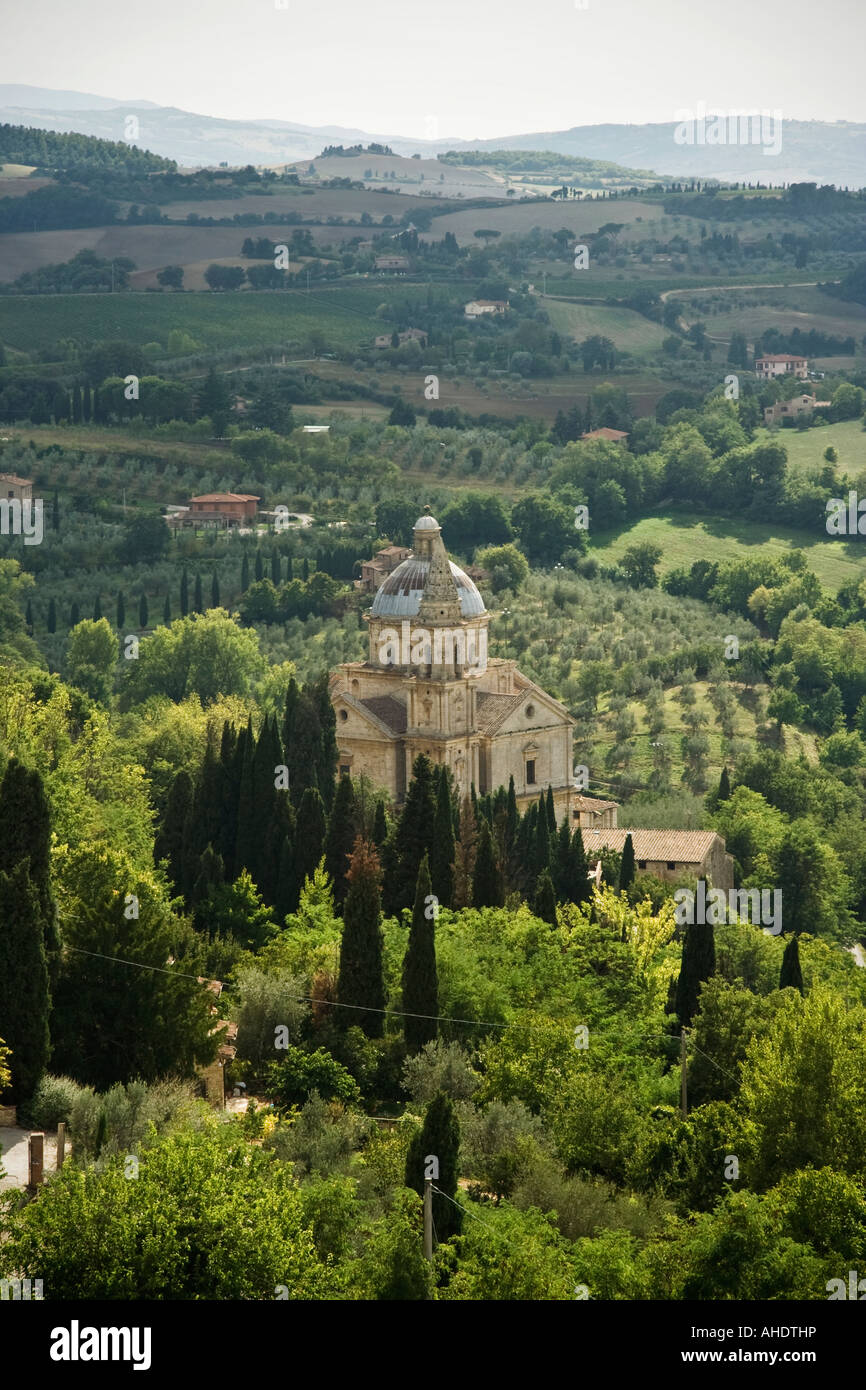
x=669, y=854
x=427, y=686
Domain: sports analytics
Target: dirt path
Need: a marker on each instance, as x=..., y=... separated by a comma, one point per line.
x=13, y=1156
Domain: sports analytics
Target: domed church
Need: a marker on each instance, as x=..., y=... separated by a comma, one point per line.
x=427, y=686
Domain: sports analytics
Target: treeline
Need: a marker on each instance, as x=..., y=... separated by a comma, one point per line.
x=77, y=153
x=54, y=208
x=805, y=344
x=86, y=273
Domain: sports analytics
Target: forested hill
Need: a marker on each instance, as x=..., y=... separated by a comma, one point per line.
x=73, y=152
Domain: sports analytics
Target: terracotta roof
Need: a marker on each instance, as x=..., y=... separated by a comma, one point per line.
x=591, y=803
x=15, y=480
x=226, y=497
x=493, y=710
x=782, y=357
x=680, y=846
x=388, y=710
x=605, y=433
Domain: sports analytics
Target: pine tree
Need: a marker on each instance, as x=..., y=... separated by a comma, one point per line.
x=438, y=1138
x=626, y=868
x=169, y=842
x=544, y=905
x=97, y=609
x=260, y=567
x=24, y=986
x=184, y=593
x=166, y=609
x=791, y=975
x=487, y=889
x=276, y=568
x=214, y=590
x=143, y=611
x=420, y=981
x=442, y=856
x=380, y=825
x=697, y=965
x=121, y=610
x=52, y=616
x=245, y=573
x=361, y=981
x=341, y=836
x=198, y=599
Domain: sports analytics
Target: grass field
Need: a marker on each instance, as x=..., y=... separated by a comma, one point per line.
x=519, y=218
x=804, y=308
x=630, y=332
x=805, y=448
x=684, y=540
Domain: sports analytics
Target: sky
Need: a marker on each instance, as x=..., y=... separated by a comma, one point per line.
x=471, y=69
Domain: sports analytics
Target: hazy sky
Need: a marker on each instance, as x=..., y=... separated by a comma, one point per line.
x=478, y=68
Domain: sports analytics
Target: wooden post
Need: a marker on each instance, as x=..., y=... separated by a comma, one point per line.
x=36, y=1151
x=61, y=1144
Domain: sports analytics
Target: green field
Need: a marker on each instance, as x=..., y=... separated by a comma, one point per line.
x=630, y=332
x=684, y=540
x=247, y=318
x=805, y=448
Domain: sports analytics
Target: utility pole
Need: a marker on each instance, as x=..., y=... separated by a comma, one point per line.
x=428, y=1220
x=684, y=1087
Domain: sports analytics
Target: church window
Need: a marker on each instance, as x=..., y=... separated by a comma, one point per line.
x=529, y=711
x=344, y=714
x=530, y=772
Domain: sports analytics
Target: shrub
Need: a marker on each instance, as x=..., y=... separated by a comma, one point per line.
x=52, y=1102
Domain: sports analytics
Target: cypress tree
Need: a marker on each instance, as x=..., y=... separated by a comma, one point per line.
x=420, y=981
x=245, y=573
x=562, y=864
x=169, y=841
x=166, y=609
x=361, y=981
x=143, y=611
x=487, y=889
x=464, y=855
x=86, y=407
x=76, y=405
x=626, y=867
x=24, y=987
x=544, y=905
x=310, y=831
x=380, y=825
x=198, y=600
x=512, y=825
x=581, y=884
x=439, y=1137
x=52, y=616
x=326, y=749
x=184, y=593
x=305, y=569
x=724, y=792
x=551, y=814
x=25, y=837
x=28, y=616
x=276, y=569
x=413, y=838
x=340, y=839
x=540, y=842
x=260, y=568
x=74, y=618
x=97, y=609
x=248, y=813
x=290, y=569
x=442, y=856
x=214, y=590
x=791, y=976
x=697, y=965
x=55, y=511
x=211, y=874
x=121, y=610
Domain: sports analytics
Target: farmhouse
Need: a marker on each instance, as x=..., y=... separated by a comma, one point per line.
x=669, y=854
x=400, y=263
x=484, y=720
x=615, y=436
x=384, y=563
x=592, y=814
x=782, y=364
x=476, y=308
x=12, y=486
x=793, y=409
x=222, y=508
x=410, y=335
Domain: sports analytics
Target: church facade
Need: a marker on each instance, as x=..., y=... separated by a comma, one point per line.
x=427, y=686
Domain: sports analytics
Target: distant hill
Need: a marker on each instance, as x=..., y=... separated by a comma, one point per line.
x=811, y=151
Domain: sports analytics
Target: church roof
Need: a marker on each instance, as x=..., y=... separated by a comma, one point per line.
x=492, y=709
x=401, y=594
x=388, y=710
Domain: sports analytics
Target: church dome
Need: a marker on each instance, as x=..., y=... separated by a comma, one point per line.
x=400, y=594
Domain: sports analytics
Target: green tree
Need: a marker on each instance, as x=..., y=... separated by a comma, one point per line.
x=442, y=853
x=439, y=1138
x=420, y=980
x=638, y=563
x=697, y=965
x=545, y=899
x=121, y=610
x=627, y=865
x=791, y=976
x=91, y=658
x=24, y=989
x=340, y=839
x=487, y=887
x=361, y=983
x=143, y=611
x=184, y=593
